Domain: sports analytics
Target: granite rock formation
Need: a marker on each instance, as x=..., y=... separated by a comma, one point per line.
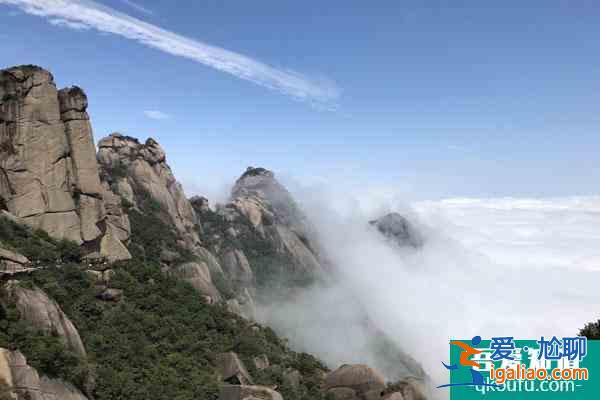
x=136, y=171
x=48, y=172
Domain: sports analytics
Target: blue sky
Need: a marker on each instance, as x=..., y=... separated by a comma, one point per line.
x=430, y=99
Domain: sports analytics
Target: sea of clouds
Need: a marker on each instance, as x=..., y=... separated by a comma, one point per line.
x=489, y=267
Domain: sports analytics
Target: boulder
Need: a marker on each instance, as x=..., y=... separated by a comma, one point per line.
x=49, y=175
x=110, y=294
x=398, y=229
x=343, y=393
x=232, y=369
x=26, y=383
x=375, y=394
x=393, y=396
x=247, y=392
x=358, y=377
x=44, y=314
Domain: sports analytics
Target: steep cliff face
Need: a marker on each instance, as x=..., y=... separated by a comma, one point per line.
x=136, y=171
x=48, y=171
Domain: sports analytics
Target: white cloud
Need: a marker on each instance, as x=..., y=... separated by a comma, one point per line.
x=78, y=13
x=517, y=267
x=137, y=7
x=155, y=114
x=69, y=24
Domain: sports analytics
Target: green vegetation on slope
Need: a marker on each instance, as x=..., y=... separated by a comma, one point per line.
x=36, y=245
x=159, y=342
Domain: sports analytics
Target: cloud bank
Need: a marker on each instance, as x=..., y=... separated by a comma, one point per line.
x=85, y=14
x=490, y=267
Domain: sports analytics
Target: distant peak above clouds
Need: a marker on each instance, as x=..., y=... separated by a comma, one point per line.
x=86, y=14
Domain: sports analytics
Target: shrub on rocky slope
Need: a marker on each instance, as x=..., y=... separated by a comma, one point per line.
x=160, y=341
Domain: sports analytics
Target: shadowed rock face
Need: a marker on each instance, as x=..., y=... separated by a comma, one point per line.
x=398, y=229
x=48, y=171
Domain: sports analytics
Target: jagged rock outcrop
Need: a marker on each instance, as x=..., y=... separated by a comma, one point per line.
x=48, y=171
x=243, y=392
x=136, y=171
x=110, y=294
x=26, y=384
x=44, y=314
x=398, y=229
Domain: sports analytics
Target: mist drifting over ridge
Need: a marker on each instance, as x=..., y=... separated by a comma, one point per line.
x=489, y=267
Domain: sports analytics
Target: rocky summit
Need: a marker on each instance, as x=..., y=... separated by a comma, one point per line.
x=399, y=230
x=115, y=285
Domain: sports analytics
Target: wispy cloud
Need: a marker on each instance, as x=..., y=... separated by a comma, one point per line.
x=78, y=26
x=155, y=114
x=76, y=14
x=137, y=7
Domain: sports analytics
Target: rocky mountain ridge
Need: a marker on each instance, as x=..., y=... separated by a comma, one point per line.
x=124, y=202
